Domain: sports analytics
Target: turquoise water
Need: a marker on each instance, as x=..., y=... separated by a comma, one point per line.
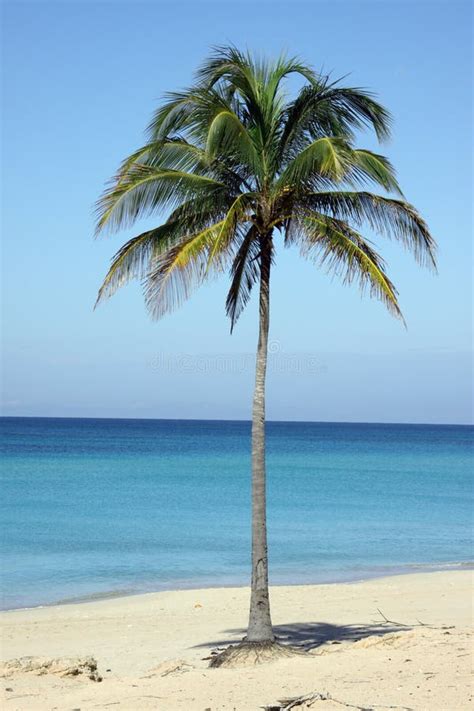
x=98, y=507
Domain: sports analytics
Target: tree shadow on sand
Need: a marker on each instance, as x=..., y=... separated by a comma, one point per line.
x=310, y=635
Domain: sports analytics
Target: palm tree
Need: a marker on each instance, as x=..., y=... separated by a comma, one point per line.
x=234, y=161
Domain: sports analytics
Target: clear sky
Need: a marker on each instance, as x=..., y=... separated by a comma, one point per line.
x=81, y=80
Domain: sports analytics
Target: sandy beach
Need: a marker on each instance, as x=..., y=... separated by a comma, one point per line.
x=151, y=649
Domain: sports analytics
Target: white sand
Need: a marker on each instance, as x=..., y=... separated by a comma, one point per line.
x=372, y=665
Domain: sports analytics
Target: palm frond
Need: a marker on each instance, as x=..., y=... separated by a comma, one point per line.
x=172, y=116
x=199, y=212
x=344, y=252
x=235, y=68
x=323, y=160
x=231, y=69
x=132, y=261
x=238, y=213
x=188, y=113
x=388, y=216
x=175, y=273
x=366, y=166
x=146, y=189
x=245, y=273
x=325, y=109
x=359, y=108
x=179, y=154
x=227, y=135
x=283, y=67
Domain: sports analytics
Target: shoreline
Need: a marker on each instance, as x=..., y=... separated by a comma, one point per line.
x=367, y=575
x=401, y=641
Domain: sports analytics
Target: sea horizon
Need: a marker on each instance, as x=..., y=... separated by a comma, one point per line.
x=238, y=419
x=106, y=507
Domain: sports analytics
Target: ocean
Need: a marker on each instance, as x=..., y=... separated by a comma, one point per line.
x=99, y=507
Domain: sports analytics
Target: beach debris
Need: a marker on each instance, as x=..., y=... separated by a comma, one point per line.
x=173, y=666
x=197, y=605
x=386, y=621
x=307, y=700
x=62, y=666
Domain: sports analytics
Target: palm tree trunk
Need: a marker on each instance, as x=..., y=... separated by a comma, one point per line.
x=260, y=624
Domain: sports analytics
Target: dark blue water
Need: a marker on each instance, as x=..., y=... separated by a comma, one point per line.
x=92, y=507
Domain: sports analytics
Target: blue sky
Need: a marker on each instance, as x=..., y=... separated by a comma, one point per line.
x=81, y=80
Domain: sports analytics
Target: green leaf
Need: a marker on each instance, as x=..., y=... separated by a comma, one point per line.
x=175, y=273
x=392, y=218
x=146, y=189
x=345, y=253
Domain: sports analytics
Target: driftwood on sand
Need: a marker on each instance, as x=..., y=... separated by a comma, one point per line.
x=307, y=700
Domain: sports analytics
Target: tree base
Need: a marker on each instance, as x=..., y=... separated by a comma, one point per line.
x=247, y=654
